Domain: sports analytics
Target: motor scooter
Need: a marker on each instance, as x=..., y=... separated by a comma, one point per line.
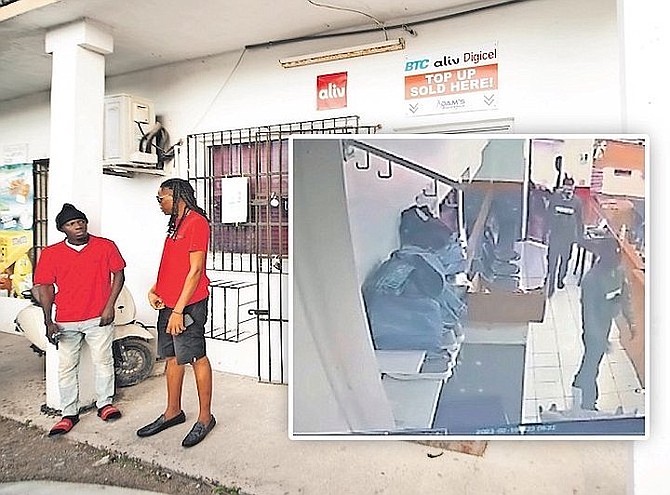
x=134, y=344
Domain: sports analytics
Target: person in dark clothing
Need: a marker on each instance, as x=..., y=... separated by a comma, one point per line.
x=448, y=210
x=565, y=228
x=537, y=212
x=420, y=227
x=604, y=294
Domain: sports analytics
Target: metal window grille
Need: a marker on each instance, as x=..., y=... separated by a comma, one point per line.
x=258, y=246
x=40, y=199
x=261, y=154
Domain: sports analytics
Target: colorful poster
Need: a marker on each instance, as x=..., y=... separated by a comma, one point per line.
x=458, y=80
x=16, y=222
x=16, y=196
x=331, y=91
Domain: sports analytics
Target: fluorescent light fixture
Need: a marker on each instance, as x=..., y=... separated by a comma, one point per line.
x=344, y=53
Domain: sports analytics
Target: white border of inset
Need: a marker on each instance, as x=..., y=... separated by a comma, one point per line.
x=439, y=436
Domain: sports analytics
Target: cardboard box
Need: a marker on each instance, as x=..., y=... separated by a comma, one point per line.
x=500, y=306
x=13, y=245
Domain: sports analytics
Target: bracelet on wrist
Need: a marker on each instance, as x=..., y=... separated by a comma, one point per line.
x=177, y=312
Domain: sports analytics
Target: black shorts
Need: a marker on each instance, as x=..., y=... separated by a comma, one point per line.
x=188, y=346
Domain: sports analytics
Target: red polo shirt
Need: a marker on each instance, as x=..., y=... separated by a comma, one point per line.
x=82, y=278
x=192, y=236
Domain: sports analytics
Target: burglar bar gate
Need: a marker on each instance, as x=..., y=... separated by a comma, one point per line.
x=248, y=257
x=40, y=195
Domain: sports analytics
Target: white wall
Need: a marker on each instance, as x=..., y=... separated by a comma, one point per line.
x=646, y=102
x=336, y=385
x=544, y=156
x=632, y=185
x=577, y=169
x=546, y=48
x=375, y=204
x=26, y=120
x=558, y=72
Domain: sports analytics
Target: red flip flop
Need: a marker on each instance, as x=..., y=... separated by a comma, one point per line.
x=109, y=412
x=64, y=425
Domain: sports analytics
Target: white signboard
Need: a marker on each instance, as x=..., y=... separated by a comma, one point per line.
x=234, y=199
x=15, y=153
x=456, y=80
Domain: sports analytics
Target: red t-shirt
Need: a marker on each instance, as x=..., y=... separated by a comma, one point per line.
x=192, y=236
x=83, y=279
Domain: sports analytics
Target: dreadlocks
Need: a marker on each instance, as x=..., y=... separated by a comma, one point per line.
x=181, y=189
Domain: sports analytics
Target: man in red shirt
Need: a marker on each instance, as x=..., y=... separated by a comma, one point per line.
x=180, y=294
x=88, y=274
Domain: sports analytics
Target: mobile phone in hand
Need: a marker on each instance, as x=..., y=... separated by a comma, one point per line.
x=188, y=320
x=53, y=339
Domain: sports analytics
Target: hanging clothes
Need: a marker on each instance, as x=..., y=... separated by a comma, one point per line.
x=418, y=227
x=409, y=300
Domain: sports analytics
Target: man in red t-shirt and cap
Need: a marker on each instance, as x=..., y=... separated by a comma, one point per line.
x=82, y=275
x=180, y=294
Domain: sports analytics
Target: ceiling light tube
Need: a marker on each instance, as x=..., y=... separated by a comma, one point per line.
x=344, y=53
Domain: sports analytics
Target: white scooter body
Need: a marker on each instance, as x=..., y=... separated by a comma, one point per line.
x=128, y=333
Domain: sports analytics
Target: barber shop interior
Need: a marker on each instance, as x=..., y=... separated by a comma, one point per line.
x=488, y=286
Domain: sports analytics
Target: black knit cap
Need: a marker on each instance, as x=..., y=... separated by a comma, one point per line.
x=69, y=212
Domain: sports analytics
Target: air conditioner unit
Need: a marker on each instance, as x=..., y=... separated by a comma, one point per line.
x=127, y=122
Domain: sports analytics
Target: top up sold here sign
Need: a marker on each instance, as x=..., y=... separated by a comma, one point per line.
x=459, y=80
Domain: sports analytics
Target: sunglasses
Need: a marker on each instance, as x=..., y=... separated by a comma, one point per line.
x=160, y=198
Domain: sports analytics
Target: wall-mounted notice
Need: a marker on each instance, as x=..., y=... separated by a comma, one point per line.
x=456, y=80
x=234, y=199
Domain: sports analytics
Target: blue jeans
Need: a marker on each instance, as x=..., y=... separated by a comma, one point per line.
x=99, y=340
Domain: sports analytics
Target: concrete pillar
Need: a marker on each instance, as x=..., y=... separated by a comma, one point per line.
x=77, y=104
x=75, y=169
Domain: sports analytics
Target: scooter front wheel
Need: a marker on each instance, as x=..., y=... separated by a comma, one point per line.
x=133, y=361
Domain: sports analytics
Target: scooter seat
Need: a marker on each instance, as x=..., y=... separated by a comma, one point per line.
x=124, y=309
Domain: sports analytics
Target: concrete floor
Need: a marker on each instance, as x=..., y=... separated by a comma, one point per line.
x=250, y=448
x=60, y=488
